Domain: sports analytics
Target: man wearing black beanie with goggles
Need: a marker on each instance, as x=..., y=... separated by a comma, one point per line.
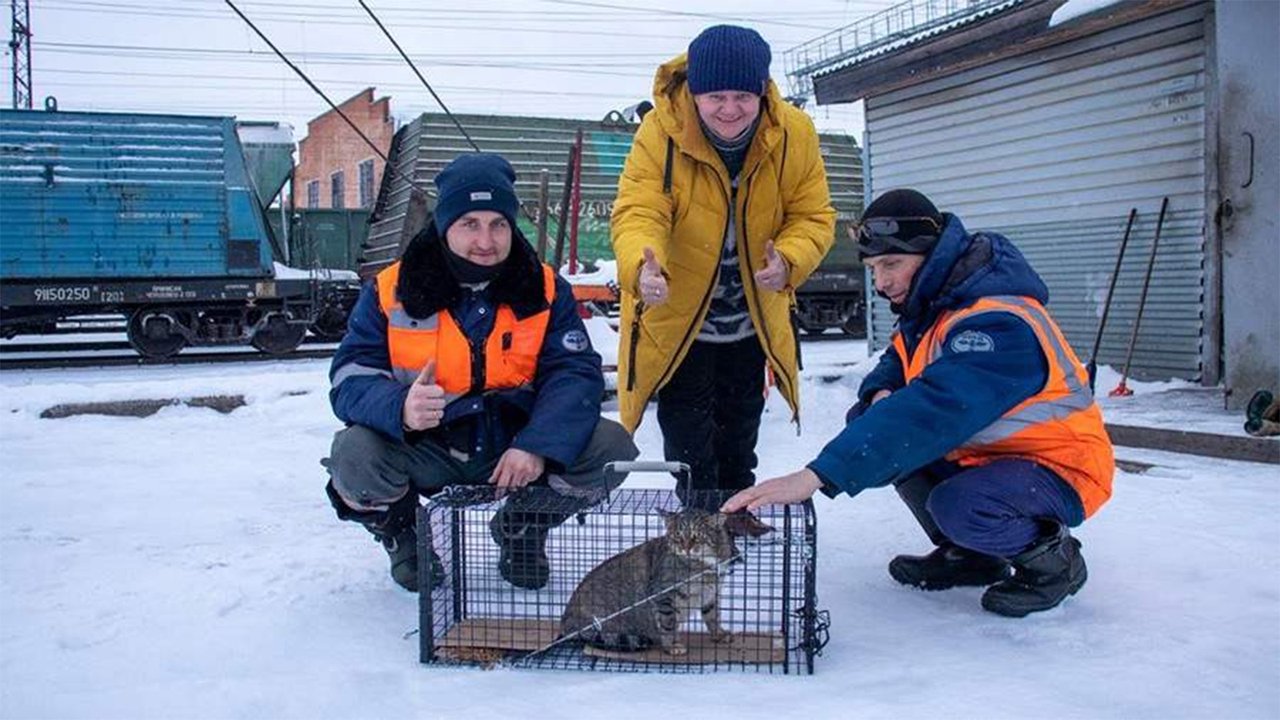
x=979, y=414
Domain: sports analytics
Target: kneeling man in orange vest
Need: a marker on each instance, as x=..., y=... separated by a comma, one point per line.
x=979, y=414
x=466, y=363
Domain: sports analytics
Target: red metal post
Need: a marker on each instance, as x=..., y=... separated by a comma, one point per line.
x=576, y=205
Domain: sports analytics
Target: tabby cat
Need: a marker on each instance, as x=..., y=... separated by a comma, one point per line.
x=664, y=578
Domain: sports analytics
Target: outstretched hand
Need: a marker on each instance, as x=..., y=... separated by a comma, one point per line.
x=775, y=273
x=653, y=283
x=796, y=487
x=424, y=406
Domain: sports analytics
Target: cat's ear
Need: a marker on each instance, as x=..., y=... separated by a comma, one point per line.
x=744, y=524
x=668, y=518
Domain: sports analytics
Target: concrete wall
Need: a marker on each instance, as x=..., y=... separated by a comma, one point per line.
x=331, y=146
x=1248, y=64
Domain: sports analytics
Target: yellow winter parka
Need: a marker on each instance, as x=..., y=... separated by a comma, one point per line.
x=674, y=196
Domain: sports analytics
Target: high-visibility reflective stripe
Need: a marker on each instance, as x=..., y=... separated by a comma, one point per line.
x=355, y=369
x=1077, y=398
x=1032, y=415
x=1059, y=427
x=401, y=319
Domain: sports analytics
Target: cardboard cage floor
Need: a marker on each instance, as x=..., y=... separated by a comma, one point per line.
x=473, y=635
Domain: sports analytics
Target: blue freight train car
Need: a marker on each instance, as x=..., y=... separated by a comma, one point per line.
x=153, y=216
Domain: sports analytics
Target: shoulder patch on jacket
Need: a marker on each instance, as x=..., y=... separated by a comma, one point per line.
x=972, y=341
x=575, y=341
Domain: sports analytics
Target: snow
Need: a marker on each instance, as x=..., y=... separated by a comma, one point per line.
x=284, y=272
x=187, y=565
x=604, y=339
x=606, y=273
x=1073, y=9
x=274, y=133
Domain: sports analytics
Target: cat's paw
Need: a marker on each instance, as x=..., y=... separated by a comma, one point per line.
x=723, y=637
x=677, y=649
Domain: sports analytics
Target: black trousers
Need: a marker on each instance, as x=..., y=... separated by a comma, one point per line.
x=709, y=413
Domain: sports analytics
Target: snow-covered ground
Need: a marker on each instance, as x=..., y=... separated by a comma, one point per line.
x=187, y=565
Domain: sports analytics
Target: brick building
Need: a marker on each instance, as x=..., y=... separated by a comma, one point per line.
x=337, y=169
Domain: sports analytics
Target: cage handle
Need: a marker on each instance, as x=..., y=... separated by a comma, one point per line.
x=623, y=467
x=618, y=467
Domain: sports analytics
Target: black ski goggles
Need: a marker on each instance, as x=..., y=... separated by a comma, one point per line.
x=912, y=235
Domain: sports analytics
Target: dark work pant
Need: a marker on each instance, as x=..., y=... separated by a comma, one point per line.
x=370, y=471
x=709, y=413
x=991, y=508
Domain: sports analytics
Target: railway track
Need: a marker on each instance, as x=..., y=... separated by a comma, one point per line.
x=12, y=348
x=826, y=337
x=29, y=356
x=116, y=352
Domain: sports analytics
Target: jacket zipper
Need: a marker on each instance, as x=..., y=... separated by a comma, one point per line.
x=635, y=342
x=477, y=366
x=764, y=326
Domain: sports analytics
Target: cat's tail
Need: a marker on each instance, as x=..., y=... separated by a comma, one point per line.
x=617, y=641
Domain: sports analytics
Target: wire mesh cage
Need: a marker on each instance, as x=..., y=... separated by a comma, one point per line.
x=636, y=583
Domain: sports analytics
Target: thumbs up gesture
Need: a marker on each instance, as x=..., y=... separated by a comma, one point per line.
x=424, y=406
x=775, y=272
x=653, y=283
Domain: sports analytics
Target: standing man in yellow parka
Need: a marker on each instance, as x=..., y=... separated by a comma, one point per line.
x=723, y=210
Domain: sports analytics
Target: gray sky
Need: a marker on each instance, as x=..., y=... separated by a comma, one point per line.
x=563, y=58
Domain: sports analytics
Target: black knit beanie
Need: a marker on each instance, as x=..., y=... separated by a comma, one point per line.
x=899, y=221
x=475, y=181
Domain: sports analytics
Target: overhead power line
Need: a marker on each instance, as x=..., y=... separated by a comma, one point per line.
x=689, y=14
x=307, y=80
x=315, y=58
x=611, y=12
x=274, y=83
x=452, y=26
x=413, y=67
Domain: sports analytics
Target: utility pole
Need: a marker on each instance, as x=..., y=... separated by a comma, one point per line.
x=20, y=46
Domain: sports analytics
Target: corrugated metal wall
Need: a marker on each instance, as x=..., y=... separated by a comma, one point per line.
x=1052, y=149
x=431, y=141
x=94, y=195
x=426, y=145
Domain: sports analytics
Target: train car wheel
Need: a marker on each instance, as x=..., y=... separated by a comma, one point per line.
x=155, y=334
x=855, y=326
x=330, y=325
x=279, y=336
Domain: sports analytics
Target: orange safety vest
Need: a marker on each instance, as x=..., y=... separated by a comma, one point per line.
x=1059, y=427
x=510, y=353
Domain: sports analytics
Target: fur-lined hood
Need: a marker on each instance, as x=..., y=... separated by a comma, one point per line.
x=426, y=286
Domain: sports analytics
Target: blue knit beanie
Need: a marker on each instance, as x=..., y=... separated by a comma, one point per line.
x=475, y=181
x=727, y=57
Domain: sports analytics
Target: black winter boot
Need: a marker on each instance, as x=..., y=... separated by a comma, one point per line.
x=395, y=529
x=1044, y=575
x=522, y=538
x=948, y=566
